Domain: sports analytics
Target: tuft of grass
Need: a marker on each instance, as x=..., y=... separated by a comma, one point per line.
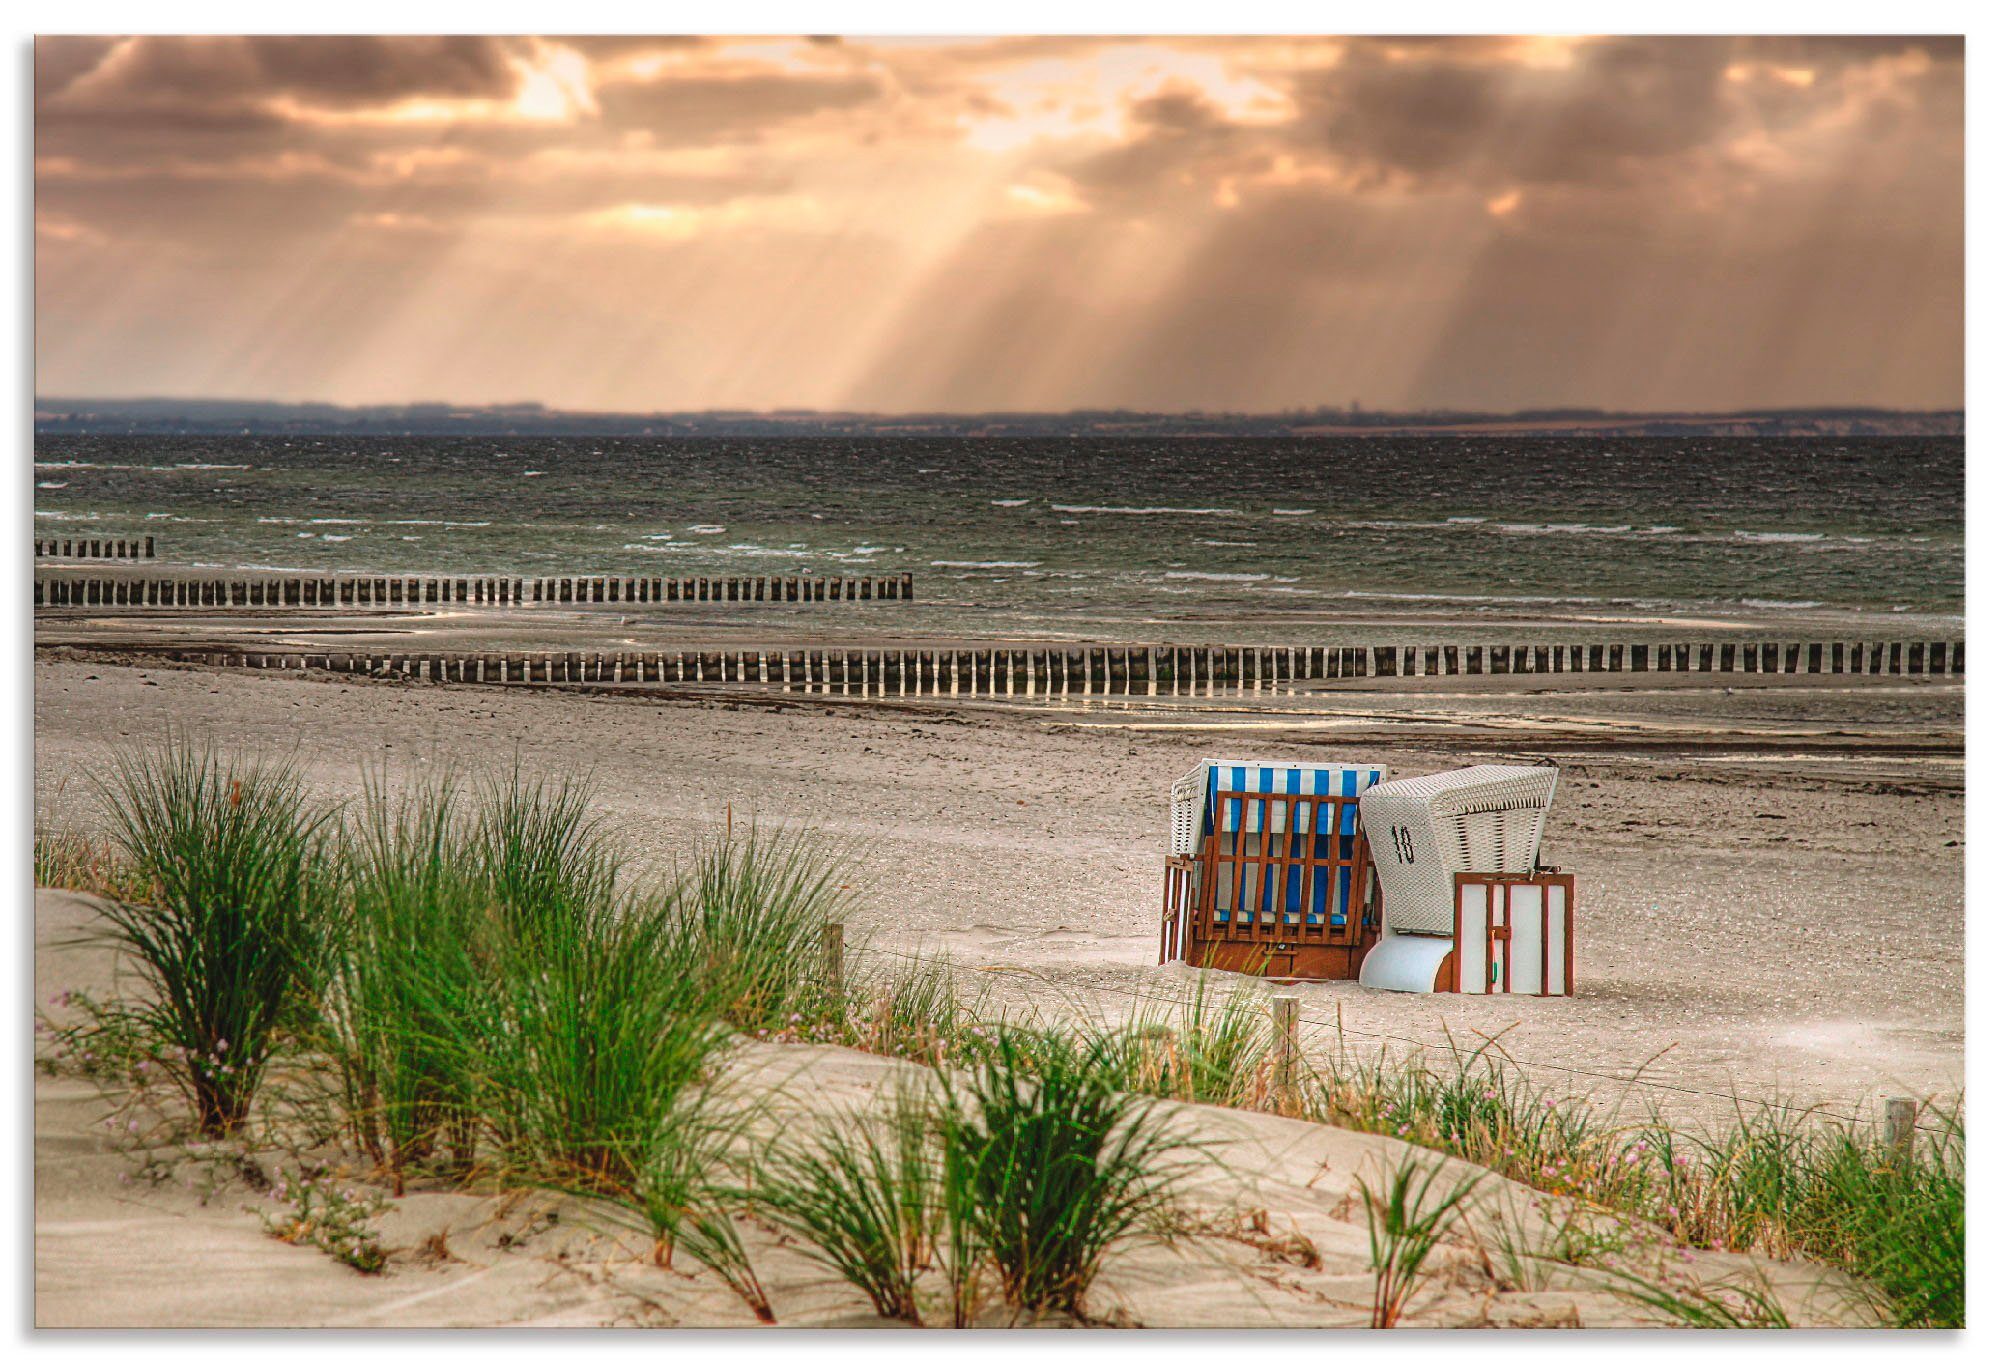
x=1407, y=1218
x=1199, y=1049
x=1049, y=1166
x=864, y=1195
x=409, y=983
x=543, y=852
x=1800, y=1183
x=76, y=861
x=916, y=1011
x=1747, y=1302
x=750, y=913
x=598, y=1034
x=232, y=941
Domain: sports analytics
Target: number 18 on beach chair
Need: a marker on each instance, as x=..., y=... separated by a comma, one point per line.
x=1267, y=870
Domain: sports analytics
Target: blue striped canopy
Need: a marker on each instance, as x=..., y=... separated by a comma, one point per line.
x=1314, y=900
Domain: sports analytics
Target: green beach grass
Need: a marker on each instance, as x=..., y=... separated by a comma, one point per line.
x=481, y=993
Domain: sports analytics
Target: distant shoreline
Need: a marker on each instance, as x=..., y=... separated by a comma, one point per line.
x=55, y=416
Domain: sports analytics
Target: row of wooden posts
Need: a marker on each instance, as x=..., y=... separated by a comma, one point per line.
x=1162, y=669
x=349, y=589
x=74, y=548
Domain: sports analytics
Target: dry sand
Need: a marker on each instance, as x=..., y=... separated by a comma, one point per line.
x=1754, y=922
x=1771, y=894
x=132, y=1229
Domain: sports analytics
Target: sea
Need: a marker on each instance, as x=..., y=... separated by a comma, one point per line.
x=1088, y=533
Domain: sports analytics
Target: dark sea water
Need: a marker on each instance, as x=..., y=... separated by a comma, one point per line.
x=1868, y=529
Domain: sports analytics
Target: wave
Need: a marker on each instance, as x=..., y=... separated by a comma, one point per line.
x=66, y=515
x=1229, y=544
x=1397, y=525
x=986, y=563
x=1756, y=603
x=1146, y=510
x=52, y=486
x=1291, y=511
x=1778, y=536
x=1009, y=501
x=1565, y=528
x=1220, y=577
x=1478, y=599
x=708, y=529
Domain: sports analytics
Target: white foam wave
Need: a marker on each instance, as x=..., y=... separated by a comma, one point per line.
x=986, y=563
x=1757, y=603
x=1221, y=577
x=1478, y=599
x=1145, y=510
x=1008, y=501
x=1778, y=536
x=1566, y=528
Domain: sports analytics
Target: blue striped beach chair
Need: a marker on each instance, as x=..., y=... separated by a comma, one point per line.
x=1267, y=860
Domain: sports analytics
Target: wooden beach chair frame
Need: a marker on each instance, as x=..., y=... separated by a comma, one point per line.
x=1256, y=897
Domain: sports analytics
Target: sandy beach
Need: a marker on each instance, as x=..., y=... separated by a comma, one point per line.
x=135, y=1229
x=1770, y=882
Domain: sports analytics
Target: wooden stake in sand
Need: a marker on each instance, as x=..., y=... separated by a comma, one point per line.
x=1899, y=1122
x=833, y=960
x=1284, y=1048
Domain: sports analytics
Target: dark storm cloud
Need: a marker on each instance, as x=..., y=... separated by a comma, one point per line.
x=150, y=74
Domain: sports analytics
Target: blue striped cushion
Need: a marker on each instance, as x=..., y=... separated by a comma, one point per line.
x=1343, y=780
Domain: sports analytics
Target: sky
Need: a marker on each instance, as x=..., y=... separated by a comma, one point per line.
x=1017, y=223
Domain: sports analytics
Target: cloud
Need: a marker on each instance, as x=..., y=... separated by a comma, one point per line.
x=1051, y=220
x=236, y=76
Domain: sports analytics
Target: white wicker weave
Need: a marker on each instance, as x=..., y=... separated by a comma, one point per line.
x=1424, y=830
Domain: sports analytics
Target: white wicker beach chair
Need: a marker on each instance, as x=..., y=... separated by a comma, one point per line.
x=1423, y=832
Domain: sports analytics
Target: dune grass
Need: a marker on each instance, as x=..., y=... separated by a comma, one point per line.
x=864, y=1196
x=1775, y=1181
x=1207, y=1047
x=1408, y=1216
x=408, y=971
x=483, y=980
x=74, y=861
x=232, y=936
x=1052, y=1165
x=748, y=915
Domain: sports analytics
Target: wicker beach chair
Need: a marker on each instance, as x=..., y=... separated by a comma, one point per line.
x=1424, y=833
x=1267, y=867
